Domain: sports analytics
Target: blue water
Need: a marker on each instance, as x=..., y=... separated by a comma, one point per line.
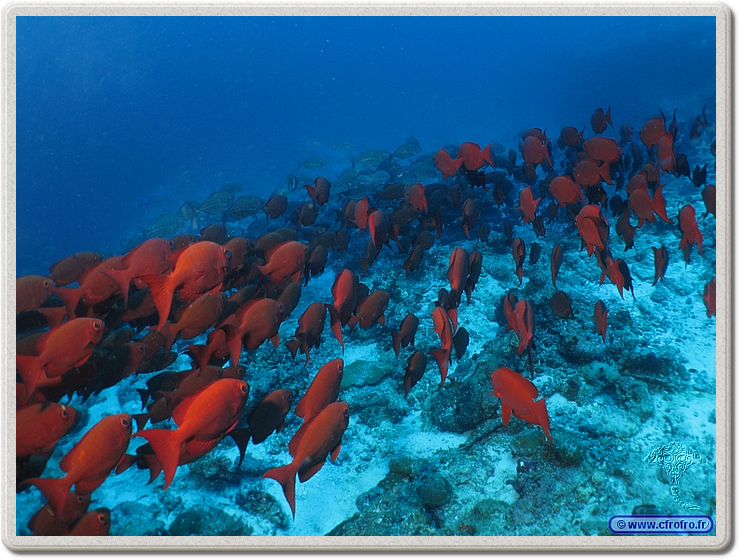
x=113, y=109
x=121, y=120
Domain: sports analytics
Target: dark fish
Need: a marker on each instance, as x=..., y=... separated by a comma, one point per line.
x=560, y=305
x=616, y=204
x=509, y=232
x=539, y=226
x=682, y=166
x=414, y=260
x=406, y=333
x=709, y=195
x=475, y=265
x=661, y=262
x=460, y=341
x=626, y=132
x=518, y=251
x=556, y=259
x=534, y=253
x=417, y=363
x=484, y=230
x=599, y=120
x=699, y=176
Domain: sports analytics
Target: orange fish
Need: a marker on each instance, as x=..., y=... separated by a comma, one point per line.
x=527, y=205
x=89, y=462
x=661, y=262
x=519, y=252
x=378, y=226
x=524, y=324
x=65, y=347
x=518, y=396
x=638, y=181
x=473, y=156
x=323, y=437
x=690, y=234
x=197, y=317
x=652, y=131
x=593, y=228
x=599, y=120
x=39, y=426
x=406, y=333
x=602, y=149
x=345, y=293
x=69, y=269
x=416, y=197
x=619, y=274
x=253, y=323
x=666, y=157
x=32, y=292
x=95, y=523
x=360, y=213
x=200, y=418
x=200, y=268
x=600, y=313
x=644, y=207
x=95, y=286
x=534, y=151
x=284, y=261
x=457, y=274
x=710, y=297
x=589, y=173
x=45, y=523
x=443, y=328
x=447, y=166
x=565, y=191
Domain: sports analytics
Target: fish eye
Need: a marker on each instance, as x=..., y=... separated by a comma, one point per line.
x=102, y=518
x=140, y=348
x=46, y=284
x=219, y=372
x=171, y=245
x=96, y=325
x=125, y=422
x=243, y=388
x=227, y=253
x=65, y=413
x=80, y=499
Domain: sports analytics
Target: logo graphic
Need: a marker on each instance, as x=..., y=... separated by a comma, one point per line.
x=676, y=458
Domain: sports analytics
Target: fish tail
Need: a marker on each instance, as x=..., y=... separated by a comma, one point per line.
x=200, y=353
x=30, y=369
x=166, y=446
x=485, y=153
x=126, y=462
x=286, y=477
x=604, y=172
x=396, y=342
x=169, y=332
x=162, y=294
x=336, y=324
x=443, y=359
x=141, y=420
x=122, y=280
x=70, y=297
x=352, y=322
x=293, y=346
x=154, y=467
x=55, y=490
x=658, y=205
x=144, y=394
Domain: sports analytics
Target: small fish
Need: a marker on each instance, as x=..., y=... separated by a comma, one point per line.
x=473, y=156
x=620, y=276
x=221, y=201
x=626, y=132
x=95, y=523
x=534, y=253
x=709, y=195
x=372, y=158
x=570, y=137
x=518, y=251
x=644, y=207
x=602, y=149
x=416, y=365
x=699, y=176
x=652, y=131
x=457, y=274
x=556, y=259
x=166, y=225
x=661, y=263
x=524, y=324
x=323, y=437
x=69, y=269
x=593, y=228
x=308, y=333
x=460, y=341
x=535, y=151
x=32, y=292
x=710, y=297
x=416, y=197
x=89, y=462
x=517, y=396
x=599, y=119
x=370, y=310
x=565, y=191
x=320, y=192
x=406, y=333
x=690, y=234
x=414, y=261
x=561, y=306
x=313, y=163
x=666, y=157
x=600, y=313
x=205, y=416
x=287, y=260
x=475, y=267
x=39, y=426
x=589, y=173
x=275, y=206
x=471, y=209
x=443, y=328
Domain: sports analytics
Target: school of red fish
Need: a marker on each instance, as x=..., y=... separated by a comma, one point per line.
x=94, y=321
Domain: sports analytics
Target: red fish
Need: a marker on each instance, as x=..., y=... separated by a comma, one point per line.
x=510, y=301
x=620, y=276
x=276, y=206
x=652, y=131
x=519, y=252
x=518, y=396
x=570, y=137
x=45, y=523
x=643, y=206
x=285, y=261
x=195, y=319
x=709, y=195
x=378, y=226
x=527, y=205
x=602, y=149
x=360, y=214
x=638, y=181
x=95, y=523
x=524, y=324
x=406, y=333
x=661, y=262
x=308, y=333
x=710, y=297
x=600, y=313
x=470, y=211
x=416, y=197
x=565, y=191
x=473, y=156
x=253, y=323
x=95, y=286
x=599, y=120
x=151, y=257
x=69, y=269
x=370, y=310
x=89, y=462
x=200, y=418
x=39, y=426
x=443, y=328
x=32, y=292
x=323, y=437
x=65, y=347
x=457, y=274
x=589, y=173
x=593, y=228
x=690, y=234
x=534, y=151
x=200, y=268
x=475, y=267
x=319, y=193
x=345, y=293
x=447, y=166
x=416, y=365
x=666, y=157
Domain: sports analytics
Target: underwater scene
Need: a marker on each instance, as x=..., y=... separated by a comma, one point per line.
x=364, y=275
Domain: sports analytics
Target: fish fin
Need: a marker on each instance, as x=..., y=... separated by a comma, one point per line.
x=162, y=295
x=31, y=370
x=381, y=320
x=352, y=322
x=200, y=354
x=396, y=342
x=293, y=346
x=285, y=475
x=122, y=280
x=305, y=474
x=275, y=340
x=543, y=418
x=658, y=205
x=443, y=359
x=127, y=460
x=485, y=153
x=141, y=420
x=296, y=439
x=166, y=446
x=70, y=297
x=296, y=275
x=169, y=332
x=335, y=452
x=55, y=490
x=154, y=467
x=241, y=438
x=144, y=394
x=336, y=324
x=505, y=413
x=608, y=116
